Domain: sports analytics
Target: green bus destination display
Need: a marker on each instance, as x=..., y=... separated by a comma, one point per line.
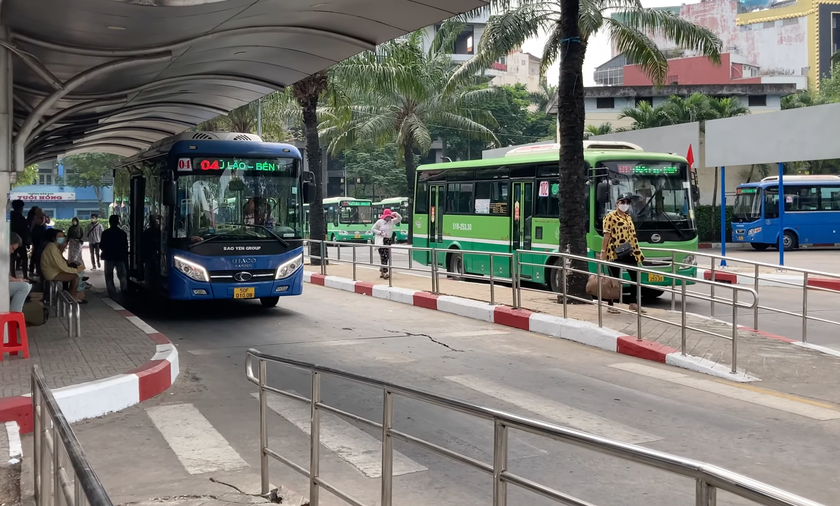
x=648, y=170
x=355, y=203
x=747, y=190
x=238, y=164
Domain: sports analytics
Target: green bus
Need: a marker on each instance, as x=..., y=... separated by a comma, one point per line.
x=349, y=219
x=397, y=205
x=512, y=204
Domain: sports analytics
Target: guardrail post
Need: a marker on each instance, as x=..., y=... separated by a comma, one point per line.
x=563, y=274
x=390, y=251
x=734, y=331
x=674, y=281
x=264, y=479
x=434, y=272
x=599, y=301
x=804, y=308
x=323, y=258
x=712, y=312
x=37, y=442
x=354, y=262
x=492, y=282
x=683, y=329
x=387, y=448
x=500, y=450
x=56, y=466
x=315, y=441
x=513, y=276
x=518, y=283
x=706, y=495
x=755, y=311
x=638, y=304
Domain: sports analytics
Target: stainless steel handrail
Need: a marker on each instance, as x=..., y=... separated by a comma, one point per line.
x=55, y=444
x=756, y=276
x=564, y=262
x=708, y=478
x=69, y=307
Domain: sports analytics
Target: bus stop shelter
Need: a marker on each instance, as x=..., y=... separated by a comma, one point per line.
x=117, y=75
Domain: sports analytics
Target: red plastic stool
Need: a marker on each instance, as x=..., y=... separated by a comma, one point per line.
x=16, y=323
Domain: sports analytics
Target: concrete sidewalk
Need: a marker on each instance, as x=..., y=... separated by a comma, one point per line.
x=117, y=362
x=779, y=364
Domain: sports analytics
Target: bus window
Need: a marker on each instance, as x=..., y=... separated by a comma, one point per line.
x=491, y=198
x=459, y=198
x=830, y=198
x=421, y=201
x=548, y=198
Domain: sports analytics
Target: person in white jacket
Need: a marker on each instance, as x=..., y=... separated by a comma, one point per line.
x=383, y=235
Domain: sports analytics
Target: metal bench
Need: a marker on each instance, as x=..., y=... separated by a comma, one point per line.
x=68, y=307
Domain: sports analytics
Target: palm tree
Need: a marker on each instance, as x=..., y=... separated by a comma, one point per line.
x=397, y=92
x=570, y=25
x=679, y=110
x=727, y=107
x=602, y=129
x=644, y=116
x=543, y=97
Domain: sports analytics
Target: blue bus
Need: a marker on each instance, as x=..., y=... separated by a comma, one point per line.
x=812, y=212
x=217, y=216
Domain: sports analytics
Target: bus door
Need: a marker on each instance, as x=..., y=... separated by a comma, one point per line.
x=136, y=216
x=437, y=199
x=522, y=198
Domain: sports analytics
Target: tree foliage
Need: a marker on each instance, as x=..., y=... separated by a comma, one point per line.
x=27, y=177
x=376, y=171
x=677, y=110
x=91, y=170
x=829, y=92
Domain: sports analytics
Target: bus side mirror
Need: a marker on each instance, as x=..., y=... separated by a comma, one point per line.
x=308, y=192
x=602, y=192
x=170, y=193
x=695, y=193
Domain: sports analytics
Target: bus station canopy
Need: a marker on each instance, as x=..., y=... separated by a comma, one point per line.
x=117, y=75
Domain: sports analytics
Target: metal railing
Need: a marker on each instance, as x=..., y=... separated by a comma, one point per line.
x=63, y=475
x=564, y=262
x=68, y=307
x=708, y=478
x=55, y=288
x=755, y=276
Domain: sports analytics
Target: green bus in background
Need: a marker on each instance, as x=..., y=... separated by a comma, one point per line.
x=512, y=204
x=397, y=205
x=349, y=219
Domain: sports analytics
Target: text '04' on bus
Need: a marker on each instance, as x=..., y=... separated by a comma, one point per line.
x=217, y=216
x=512, y=204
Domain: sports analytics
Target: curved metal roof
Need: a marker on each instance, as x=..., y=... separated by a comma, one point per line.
x=131, y=72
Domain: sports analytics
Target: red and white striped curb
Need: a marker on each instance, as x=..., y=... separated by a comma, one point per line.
x=540, y=323
x=100, y=397
x=777, y=280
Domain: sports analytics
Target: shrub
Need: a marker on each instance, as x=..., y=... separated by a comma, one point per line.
x=708, y=223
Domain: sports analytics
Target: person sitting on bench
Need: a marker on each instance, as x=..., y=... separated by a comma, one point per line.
x=56, y=268
x=18, y=288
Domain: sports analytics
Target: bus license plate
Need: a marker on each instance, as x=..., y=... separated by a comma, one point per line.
x=358, y=236
x=655, y=278
x=243, y=293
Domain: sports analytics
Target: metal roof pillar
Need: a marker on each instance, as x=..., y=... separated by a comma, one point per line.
x=6, y=169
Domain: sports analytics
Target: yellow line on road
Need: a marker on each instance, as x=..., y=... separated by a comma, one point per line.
x=781, y=395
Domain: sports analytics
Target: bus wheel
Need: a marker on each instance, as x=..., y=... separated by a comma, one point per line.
x=555, y=279
x=269, y=301
x=456, y=266
x=790, y=241
x=651, y=293
x=759, y=246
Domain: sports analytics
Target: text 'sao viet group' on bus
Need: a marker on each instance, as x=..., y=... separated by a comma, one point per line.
x=513, y=204
x=217, y=216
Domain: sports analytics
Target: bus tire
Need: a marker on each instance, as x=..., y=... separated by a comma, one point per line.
x=455, y=265
x=759, y=246
x=790, y=241
x=269, y=301
x=555, y=278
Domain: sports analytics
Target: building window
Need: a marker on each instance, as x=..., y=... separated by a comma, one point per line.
x=605, y=103
x=464, y=42
x=769, y=24
x=613, y=76
x=758, y=101
x=639, y=100
x=45, y=179
x=790, y=21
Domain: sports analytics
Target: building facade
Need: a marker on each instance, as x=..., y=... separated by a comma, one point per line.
x=63, y=202
x=518, y=68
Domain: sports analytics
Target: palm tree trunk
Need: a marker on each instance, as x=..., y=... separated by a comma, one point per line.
x=571, y=117
x=317, y=220
x=410, y=170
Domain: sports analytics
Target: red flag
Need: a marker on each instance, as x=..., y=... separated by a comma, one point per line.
x=690, y=157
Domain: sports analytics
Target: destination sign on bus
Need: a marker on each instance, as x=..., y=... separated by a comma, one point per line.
x=648, y=170
x=354, y=203
x=747, y=190
x=255, y=164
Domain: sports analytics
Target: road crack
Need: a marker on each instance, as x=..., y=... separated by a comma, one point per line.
x=432, y=339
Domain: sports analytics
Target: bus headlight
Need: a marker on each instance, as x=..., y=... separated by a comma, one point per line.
x=343, y=232
x=191, y=269
x=690, y=260
x=288, y=268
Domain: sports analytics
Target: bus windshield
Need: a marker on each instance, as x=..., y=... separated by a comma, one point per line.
x=239, y=205
x=747, y=205
x=355, y=214
x=661, y=189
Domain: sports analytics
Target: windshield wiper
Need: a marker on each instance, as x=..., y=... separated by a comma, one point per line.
x=676, y=227
x=279, y=239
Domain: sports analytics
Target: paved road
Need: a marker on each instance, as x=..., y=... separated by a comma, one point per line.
x=820, y=304
x=206, y=425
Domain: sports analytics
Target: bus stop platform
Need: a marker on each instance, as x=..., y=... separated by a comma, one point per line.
x=117, y=362
x=766, y=361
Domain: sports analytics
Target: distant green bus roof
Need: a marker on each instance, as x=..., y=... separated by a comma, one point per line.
x=589, y=156
x=336, y=200
x=392, y=200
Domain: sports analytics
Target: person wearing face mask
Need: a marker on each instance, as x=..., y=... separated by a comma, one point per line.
x=94, y=237
x=55, y=268
x=621, y=244
x=75, y=238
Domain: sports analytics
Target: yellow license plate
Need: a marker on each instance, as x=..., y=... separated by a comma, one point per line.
x=655, y=278
x=243, y=293
x=358, y=236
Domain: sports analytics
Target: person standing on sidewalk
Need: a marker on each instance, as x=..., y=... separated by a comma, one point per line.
x=621, y=245
x=383, y=231
x=94, y=238
x=75, y=236
x=115, y=253
x=18, y=225
x=18, y=288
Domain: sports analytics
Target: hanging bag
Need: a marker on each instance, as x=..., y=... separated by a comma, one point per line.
x=610, y=288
